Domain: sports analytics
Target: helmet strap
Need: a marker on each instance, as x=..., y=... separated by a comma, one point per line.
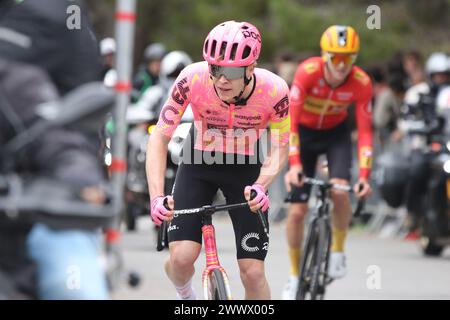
x=238, y=99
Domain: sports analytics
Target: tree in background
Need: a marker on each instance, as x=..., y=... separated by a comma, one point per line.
x=287, y=25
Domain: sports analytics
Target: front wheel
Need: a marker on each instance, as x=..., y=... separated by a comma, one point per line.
x=217, y=289
x=309, y=272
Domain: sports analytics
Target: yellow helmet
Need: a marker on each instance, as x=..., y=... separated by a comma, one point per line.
x=340, y=39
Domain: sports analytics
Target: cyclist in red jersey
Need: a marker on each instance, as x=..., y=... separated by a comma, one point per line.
x=323, y=90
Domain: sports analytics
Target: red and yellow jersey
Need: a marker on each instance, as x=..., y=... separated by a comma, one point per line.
x=314, y=104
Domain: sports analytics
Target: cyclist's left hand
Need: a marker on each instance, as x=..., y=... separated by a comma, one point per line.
x=365, y=190
x=261, y=201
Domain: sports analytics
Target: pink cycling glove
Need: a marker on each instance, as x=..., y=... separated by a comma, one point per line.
x=261, y=196
x=158, y=210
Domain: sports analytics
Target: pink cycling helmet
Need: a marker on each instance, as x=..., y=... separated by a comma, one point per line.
x=232, y=44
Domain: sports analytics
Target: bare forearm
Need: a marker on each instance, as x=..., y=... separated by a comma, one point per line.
x=272, y=166
x=156, y=163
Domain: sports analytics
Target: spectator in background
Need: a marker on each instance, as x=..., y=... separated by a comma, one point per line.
x=389, y=91
x=413, y=65
x=108, y=52
x=148, y=75
x=397, y=86
x=395, y=66
x=285, y=66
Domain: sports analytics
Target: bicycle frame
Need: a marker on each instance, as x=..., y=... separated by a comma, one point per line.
x=318, y=242
x=319, y=232
x=209, y=239
x=212, y=259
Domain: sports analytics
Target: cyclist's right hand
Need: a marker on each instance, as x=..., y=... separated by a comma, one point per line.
x=159, y=212
x=291, y=178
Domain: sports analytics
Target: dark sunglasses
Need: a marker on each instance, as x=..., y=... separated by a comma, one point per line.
x=230, y=73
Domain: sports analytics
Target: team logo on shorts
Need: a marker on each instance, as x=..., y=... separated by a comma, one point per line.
x=245, y=239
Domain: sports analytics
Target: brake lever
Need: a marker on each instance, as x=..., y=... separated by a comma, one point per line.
x=260, y=215
x=162, y=233
x=360, y=204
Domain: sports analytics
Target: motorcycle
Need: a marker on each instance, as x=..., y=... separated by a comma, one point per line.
x=142, y=123
x=434, y=131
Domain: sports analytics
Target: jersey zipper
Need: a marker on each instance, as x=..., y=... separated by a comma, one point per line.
x=322, y=115
x=230, y=116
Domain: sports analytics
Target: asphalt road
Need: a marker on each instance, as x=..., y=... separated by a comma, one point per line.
x=378, y=268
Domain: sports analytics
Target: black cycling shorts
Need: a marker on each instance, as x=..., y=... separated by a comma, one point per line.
x=197, y=184
x=335, y=143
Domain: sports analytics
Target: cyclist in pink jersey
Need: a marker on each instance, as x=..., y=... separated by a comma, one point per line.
x=233, y=103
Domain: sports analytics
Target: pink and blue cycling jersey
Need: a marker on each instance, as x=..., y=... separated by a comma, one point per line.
x=228, y=128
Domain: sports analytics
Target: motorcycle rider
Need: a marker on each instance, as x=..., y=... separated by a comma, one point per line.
x=422, y=98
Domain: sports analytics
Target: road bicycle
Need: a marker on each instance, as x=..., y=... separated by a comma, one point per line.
x=214, y=278
x=313, y=277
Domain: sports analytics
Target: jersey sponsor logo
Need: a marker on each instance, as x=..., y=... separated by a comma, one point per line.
x=317, y=106
x=213, y=112
x=214, y=118
x=361, y=77
x=235, y=132
x=249, y=124
x=294, y=139
x=179, y=92
x=245, y=242
x=311, y=67
x=172, y=227
x=165, y=110
x=282, y=107
x=258, y=117
x=342, y=95
x=365, y=158
x=216, y=127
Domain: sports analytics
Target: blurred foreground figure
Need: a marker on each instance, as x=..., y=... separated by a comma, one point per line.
x=37, y=33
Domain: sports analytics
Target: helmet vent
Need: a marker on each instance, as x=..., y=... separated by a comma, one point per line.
x=206, y=46
x=246, y=52
x=223, y=47
x=213, y=48
x=233, y=51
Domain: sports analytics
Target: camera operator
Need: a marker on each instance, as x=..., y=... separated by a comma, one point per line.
x=36, y=33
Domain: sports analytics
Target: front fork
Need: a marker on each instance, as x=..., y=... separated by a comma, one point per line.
x=212, y=260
